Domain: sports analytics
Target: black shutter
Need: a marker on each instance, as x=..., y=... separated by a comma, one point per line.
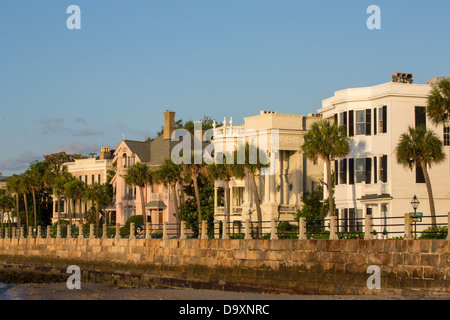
x=375, y=121
x=420, y=178
x=375, y=178
x=344, y=171
x=350, y=124
x=351, y=171
x=345, y=122
x=368, y=122
x=384, y=166
x=420, y=117
x=384, y=119
x=336, y=118
x=368, y=170
x=336, y=172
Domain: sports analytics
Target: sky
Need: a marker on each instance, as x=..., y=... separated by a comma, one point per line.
x=76, y=90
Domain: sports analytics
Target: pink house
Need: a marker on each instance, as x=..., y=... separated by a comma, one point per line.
x=158, y=198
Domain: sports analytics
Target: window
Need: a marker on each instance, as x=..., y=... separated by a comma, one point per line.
x=343, y=171
x=420, y=178
x=360, y=170
x=420, y=116
x=382, y=119
x=360, y=122
x=446, y=136
x=343, y=120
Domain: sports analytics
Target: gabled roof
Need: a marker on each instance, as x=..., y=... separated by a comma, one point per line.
x=140, y=148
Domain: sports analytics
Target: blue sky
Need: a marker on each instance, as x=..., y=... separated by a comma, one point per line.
x=78, y=90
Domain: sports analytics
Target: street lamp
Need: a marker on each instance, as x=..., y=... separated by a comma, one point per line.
x=415, y=204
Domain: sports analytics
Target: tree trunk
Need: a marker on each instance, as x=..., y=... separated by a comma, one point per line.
x=197, y=199
x=69, y=210
x=330, y=188
x=26, y=209
x=227, y=200
x=81, y=218
x=430, y=192
x=257, y=204
x=34, y=207
x=17, y=210
x=97, y=214
x=144, y=213
x=175, y=203
x=59, y=210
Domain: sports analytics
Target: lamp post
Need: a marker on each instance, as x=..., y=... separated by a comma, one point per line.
x=415, y=204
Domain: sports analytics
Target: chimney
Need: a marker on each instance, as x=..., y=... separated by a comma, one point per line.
x=402, y=77
x=169, y=124
x=105, y=153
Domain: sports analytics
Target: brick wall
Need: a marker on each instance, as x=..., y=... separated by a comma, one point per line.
x=289, y=266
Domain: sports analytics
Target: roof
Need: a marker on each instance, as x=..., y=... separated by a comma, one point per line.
x=158, y=204
x=139, y=148
x=376, y=197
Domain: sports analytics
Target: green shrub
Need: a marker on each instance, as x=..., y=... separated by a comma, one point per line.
x=434, y=232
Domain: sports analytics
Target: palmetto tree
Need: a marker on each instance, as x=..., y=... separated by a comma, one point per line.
x=220, y=170
x=13, y=188
x=249, y=161
x=70, y=192
x=192, y=171
x=35, y=177
x=140, y=175
x=326, y=141
x=438, y=108
x=98, y=194
x=169, y=174
x=24, y=188
x=421, y=147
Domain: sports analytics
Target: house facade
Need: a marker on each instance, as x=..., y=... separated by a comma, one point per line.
x=281, y=186
x=158, y=198
x=369, y=180
x=90, y=171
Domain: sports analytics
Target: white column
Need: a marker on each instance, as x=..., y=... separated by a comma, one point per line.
x=266, y=187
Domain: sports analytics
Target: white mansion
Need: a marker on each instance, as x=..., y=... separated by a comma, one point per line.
x=369, y=180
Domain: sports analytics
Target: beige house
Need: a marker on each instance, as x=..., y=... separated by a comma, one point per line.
x=91, y=170
x=290, y=174
x=369, y=181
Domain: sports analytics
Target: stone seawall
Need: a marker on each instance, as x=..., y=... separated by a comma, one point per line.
x=285, y=266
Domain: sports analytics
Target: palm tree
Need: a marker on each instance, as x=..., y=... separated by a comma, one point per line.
x=98, y=194
x=24, y=187
x=169, y=174
x=419, y=146
x=326, y=141
x=54, y=178
x=220, y=170
x=13, y=188
x=70, y=192
x=6, y=205
x=252, y=162
x=438, y=108
x=192, y=171
x=139, y=175
x=35, y=174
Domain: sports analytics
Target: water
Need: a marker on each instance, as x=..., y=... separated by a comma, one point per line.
x=5, y=291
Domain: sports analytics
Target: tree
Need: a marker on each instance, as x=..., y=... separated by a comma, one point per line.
x=249, y=160
x=13, y=188
x=6, y=205
x=438, y=108
x=98, y=194
x=24, y=188
x=70, y=192
x=326, y=141
x=220, y=170
x=35, y=177
x=139, y=175
x=421, y=147
x=169, y=174
x=192, y=171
